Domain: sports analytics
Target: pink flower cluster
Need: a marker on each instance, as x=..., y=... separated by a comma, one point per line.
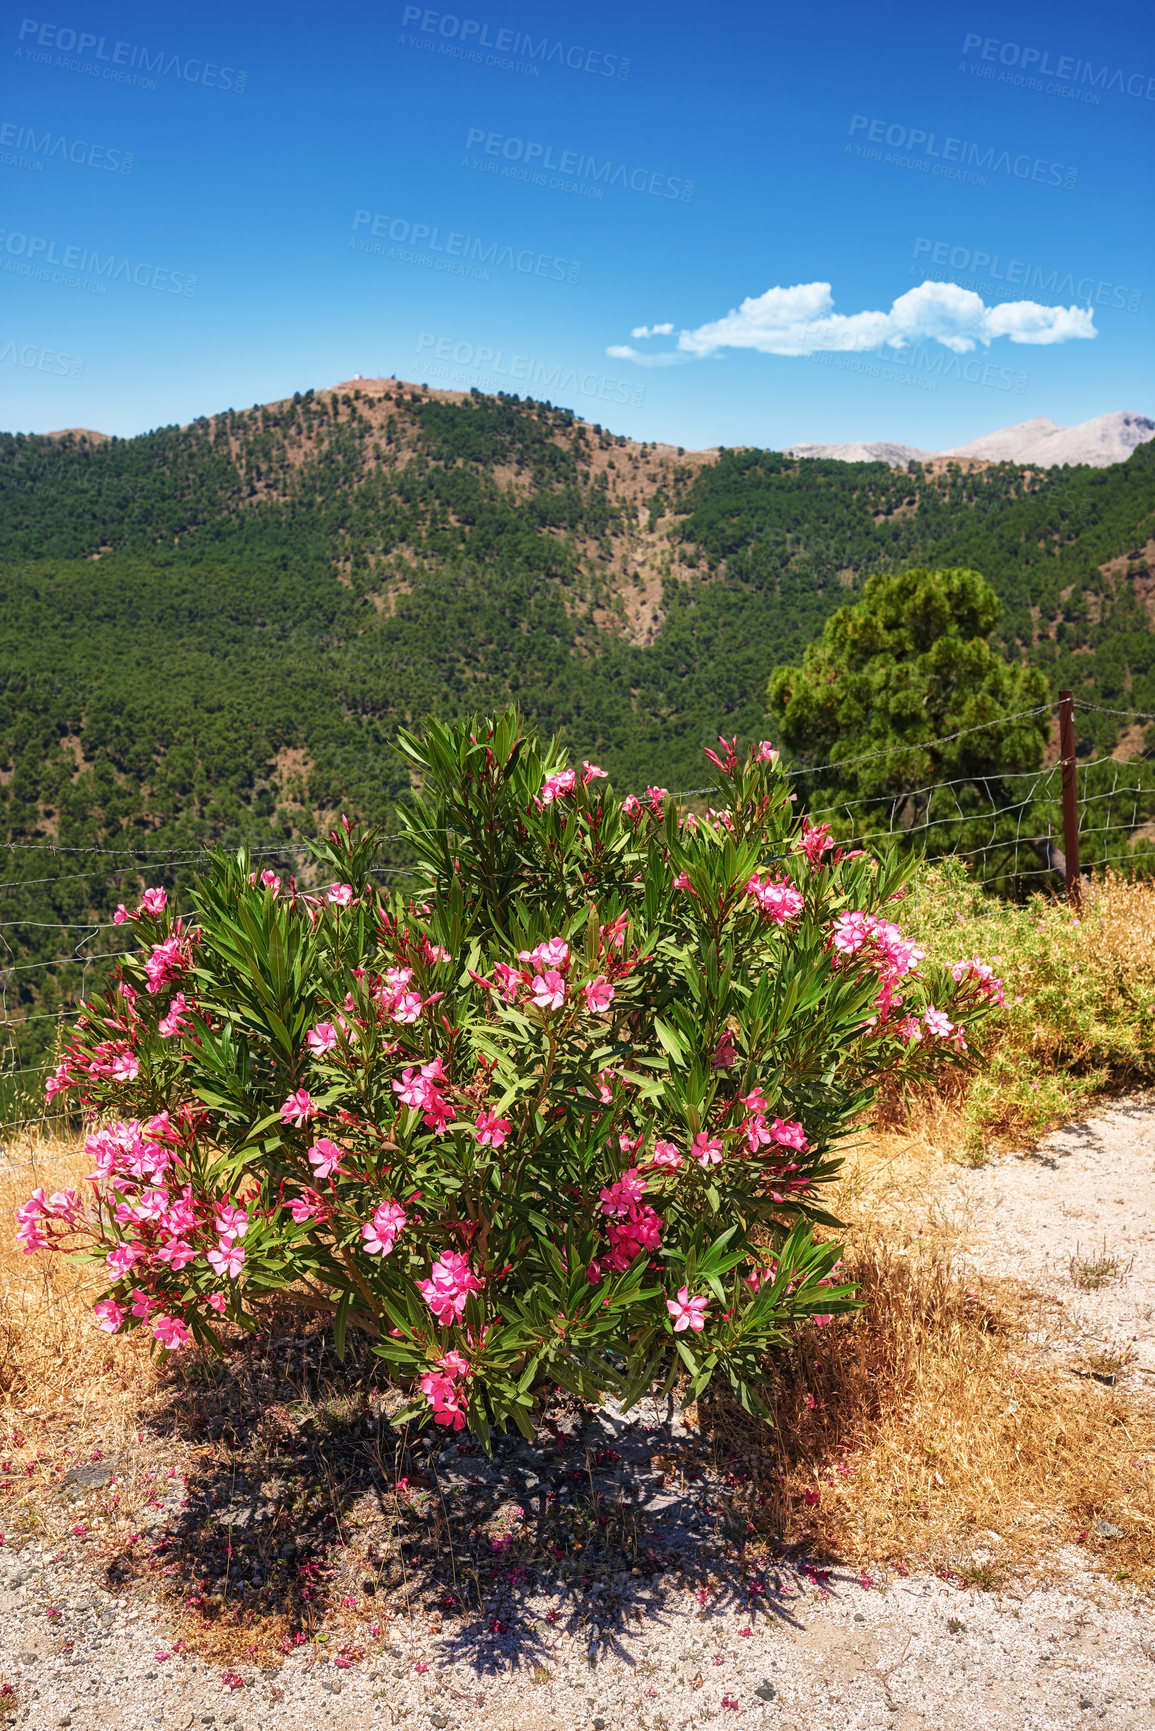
x=64, y=1206
x=448, y=1287
x=983, y=973
x=633, y=1225
x=634, y=808
x=397, y=998
x=785, y=1132
x=778, y=899
x=153, y=903
x=893, y=955
x=422, y=1088
x=565, y=780
x=170, y=960
x=380, y=1233
x=442, y=1389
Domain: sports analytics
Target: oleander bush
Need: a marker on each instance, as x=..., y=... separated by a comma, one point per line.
x=560, y=1118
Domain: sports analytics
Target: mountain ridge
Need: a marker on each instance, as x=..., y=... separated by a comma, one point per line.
x=1042, y=443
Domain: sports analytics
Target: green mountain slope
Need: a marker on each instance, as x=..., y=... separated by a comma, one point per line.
x=213, y=632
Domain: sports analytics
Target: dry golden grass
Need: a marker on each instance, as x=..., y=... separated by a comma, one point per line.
x=53, y=1360
x=929, y=1429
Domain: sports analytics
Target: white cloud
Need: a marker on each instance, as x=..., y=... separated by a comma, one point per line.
x=664, y=357
x=802, y=321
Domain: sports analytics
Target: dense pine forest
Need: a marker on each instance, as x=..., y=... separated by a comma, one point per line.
x=212, y=632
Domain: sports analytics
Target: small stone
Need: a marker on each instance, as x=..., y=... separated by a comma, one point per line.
x=858, y=1617
x=29, y=1658
x=766, y=1691
x=1084, y=1703
x=599, y=1725
x=1106, y=1530
x=438, y=1719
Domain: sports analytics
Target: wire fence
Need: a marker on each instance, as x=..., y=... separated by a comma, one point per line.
x=1011, y=827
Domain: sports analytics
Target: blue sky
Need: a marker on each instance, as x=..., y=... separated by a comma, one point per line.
x=500, y=196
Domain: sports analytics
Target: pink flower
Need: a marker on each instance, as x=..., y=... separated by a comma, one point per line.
x=109, y=1315
x=121, y=1258
x=910, y=1028
x=154, y=902
x=788, y=1134
x=725, y=1052
x=121, y=916
x=340, y=895
x=380, y=1233
x=816, y=840
x=218, y=1302
x=125, y=1067
x=321, y=1039
x=170, y=1331
x=228, y=1259
x=599, y=995
x=232, y=1222
x=778, y=899
x=666, y=1155
x=553, y=953
x=412, y=1088
x=766, y=752
x=304, y=1208
x=325, y=1157
x=641, y=1230
x=549, y=990
x=407, y=1007
x=176, y=1021
x=621, y=1196
x=142, y=1305
x=57, y=1082
x=707, y=1150
x=937, y=1023
x=448, y=1288
x=631, y=806
x=555, y=785
x=177, y=1254
x=492, y=1130
x=164, y=962
x=298, y=1108
x=590, y=771
x=688, y=1311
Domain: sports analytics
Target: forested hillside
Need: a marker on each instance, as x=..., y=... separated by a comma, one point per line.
x=214, y=631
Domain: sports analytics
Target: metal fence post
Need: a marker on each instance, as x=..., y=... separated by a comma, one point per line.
x=1070, y=797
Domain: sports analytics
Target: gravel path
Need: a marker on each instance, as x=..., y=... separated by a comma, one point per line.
x=676, y=1643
